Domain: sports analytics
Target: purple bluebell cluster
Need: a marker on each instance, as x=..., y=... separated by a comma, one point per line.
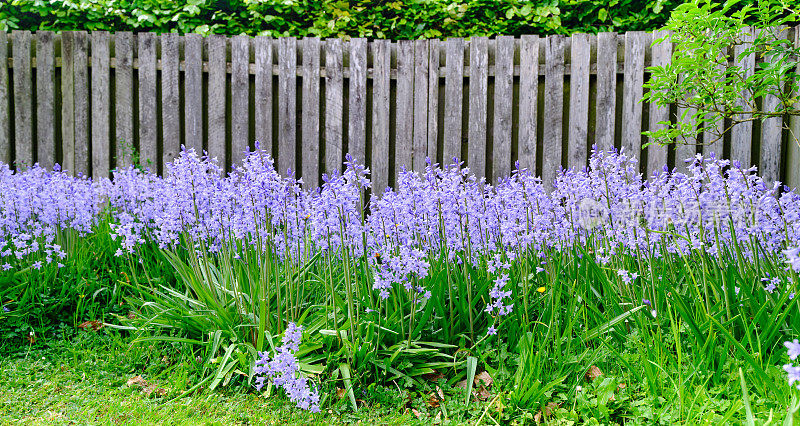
x=792, y=371
x=283, y=371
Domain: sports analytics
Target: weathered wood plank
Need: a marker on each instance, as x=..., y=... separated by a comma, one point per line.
x=605, y=115
x=170, y=98
x=771, y=128
x=742, y=133
x=404, y=131
x=123, y=99
x=503, y=100
x=528, y=98
x=193, y=92
x=420, y=144
x=454, y=87
x=263, y=95
x=357, y=119
x=216, y=98
x=381, y=63
x=657, y=154
x=287, y=104
x=101, y=99
x=553, y=108
x=5, y=118
x=240, y=98
x=635, y=43
x=579, y=102
x=433, y=99
x=81, y=72
x=334, y=105
x=685, y=148
x=713, y=133
x=793, y=150
x=478, y=105
x=68, y=101
x=23, y=109
x=148, y=137
x=45, y=99
x=311, y=103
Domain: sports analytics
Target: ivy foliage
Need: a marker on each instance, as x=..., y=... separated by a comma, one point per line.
x=398, y=19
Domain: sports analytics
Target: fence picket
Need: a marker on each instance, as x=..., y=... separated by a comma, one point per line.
x=453, y=95
x=742, y=133
x=287, y=104
x=528, y=98
x=381, y=83
x=5, y=118
x=217, y=64
x=193, y=92
x=240, y=97
x=579, y=101
x=553, y=107
x=433, y=100
x=478, y=104
x=605, y=115
x=170, y=98
x=357, y=118
x=45, y=99
x=67, y=101
x=635, y=44
x=420, y=139
x=263, y=92
x=311, y=103
x=503, y=100
x=23, y=110
x=771, y=128
x=656, y=154
x=148, y=136
x=123, y=99
x=334, y=105
x=404, y=109
x=101, y=89
x=81, y=71
x=793, y=150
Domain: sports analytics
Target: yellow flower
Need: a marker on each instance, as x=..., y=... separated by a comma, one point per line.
x=541, y=289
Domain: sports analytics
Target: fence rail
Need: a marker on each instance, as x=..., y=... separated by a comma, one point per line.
x=84, y=99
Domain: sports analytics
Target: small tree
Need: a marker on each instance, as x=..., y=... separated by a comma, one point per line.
x=701, y=78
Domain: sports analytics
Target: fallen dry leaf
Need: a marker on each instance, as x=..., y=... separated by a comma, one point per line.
x=416, y=413
x=91, y=325
x=550, y=408
x=593, y=373
x=137, y=381
x=433, y=401
x=440, y=393
x=339, y=393
x=484, y=377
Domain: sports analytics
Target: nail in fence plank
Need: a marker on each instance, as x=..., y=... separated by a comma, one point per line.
x=101, y=87
x=793, y=151
x=656, y=154
x=81, y=72
x=433, y=99
x=240, y=97
x=357, y=132
x=635, y=43
x=528, y=94
x=217, y=64
x=287, y=103
x=311, y=103
x=123, y=99
x=381, y=63
x=503, y=99
x=404, y=134
x=68, y=101
x=170, y=98
x=553, y=108
x=5, y=118
x=420, y=143
x=606, y=90
x=579, y=101
x=454, y=87
x=742, y=133
x=193, y=92
x=45, y=99
x=478, y=100
x=23, y=110
x=713, y=132
x=334, y=105
x=148, y=137
x=772, y=127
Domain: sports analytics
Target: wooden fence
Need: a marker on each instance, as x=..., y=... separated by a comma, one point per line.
x=82, y=99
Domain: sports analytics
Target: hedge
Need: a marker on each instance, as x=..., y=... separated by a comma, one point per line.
x=401, y=19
